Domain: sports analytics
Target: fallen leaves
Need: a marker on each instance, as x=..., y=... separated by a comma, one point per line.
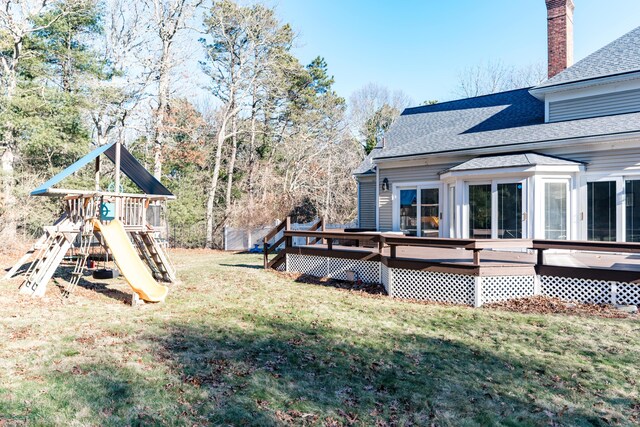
x=548, y=305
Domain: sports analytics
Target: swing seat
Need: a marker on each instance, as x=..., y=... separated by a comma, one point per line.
x=106, y=273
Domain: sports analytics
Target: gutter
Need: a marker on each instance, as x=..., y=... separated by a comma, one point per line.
x=540, y=91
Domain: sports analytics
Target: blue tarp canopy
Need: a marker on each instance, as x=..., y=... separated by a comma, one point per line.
x=408, y=198
x=128, y=165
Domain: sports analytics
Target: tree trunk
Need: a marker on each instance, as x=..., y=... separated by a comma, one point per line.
x=213, y=186
x=232, y=163
x=163, y=102
x=9, y=223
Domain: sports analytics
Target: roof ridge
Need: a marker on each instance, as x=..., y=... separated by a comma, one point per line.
x=557, y=79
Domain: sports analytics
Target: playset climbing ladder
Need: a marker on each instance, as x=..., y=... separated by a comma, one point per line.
x=155, y=256
x=114, y=218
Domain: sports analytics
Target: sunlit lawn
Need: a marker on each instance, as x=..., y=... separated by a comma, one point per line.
x=235, y=345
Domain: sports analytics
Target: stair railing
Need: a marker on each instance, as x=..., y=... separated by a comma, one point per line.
x=268, y=249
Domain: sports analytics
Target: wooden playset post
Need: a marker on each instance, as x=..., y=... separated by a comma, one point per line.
x=117, y=189
x=97, y=174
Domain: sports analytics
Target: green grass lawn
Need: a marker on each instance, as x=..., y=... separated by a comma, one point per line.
x=236, y=345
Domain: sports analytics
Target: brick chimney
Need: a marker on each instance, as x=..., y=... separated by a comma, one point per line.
x=559, y=35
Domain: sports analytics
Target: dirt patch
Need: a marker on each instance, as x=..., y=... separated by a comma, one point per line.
x=199, y=251
x=548, y=305
x=366, y=288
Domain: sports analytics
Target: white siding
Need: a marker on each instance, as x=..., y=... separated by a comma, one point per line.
x=367, y=202
x=595, y=106
x=407, y=174
x=606, y=161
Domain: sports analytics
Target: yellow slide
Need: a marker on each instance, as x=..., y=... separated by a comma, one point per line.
x=129, y=263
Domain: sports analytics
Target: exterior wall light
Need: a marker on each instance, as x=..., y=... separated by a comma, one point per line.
x=385, y=184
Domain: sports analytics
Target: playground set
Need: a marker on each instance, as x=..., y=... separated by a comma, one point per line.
x=124, y=225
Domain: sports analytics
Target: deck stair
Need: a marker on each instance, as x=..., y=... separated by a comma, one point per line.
x=268, y=248
x=155, y=256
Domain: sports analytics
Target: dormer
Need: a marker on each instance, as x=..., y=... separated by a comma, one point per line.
x=605, y=83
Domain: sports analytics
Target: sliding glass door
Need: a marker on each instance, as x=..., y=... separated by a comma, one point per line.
x=419, y=211
x=496, y=210
x=510, y=211
x=409, y=212
x=429, y=212
x=601, y=211
x=632, y=210
x=480, y=211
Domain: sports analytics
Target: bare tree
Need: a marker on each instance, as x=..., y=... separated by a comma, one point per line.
x=17, y=23
x=170, y=17
x=372, y=109
x=123, y=48
x=495, y=76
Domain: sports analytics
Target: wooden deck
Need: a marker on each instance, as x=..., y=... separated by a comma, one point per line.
x=609, y=261
x=467, y=271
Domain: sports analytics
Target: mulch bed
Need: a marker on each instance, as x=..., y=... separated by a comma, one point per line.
x=548, y=305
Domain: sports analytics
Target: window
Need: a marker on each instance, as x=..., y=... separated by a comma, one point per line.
x=555, y=210
x=601, y=211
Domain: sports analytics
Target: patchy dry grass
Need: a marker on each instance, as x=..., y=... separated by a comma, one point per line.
x=235, y=345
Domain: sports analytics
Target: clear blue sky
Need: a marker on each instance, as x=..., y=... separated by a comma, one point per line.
x=420, y=46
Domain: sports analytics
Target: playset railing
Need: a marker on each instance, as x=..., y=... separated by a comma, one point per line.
x=131, y=210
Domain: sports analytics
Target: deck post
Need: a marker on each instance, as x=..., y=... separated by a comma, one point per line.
x=540, y=258
x=614, y=294
x=476, y=256
x=265, y=249
x=380, y=244
x=330, y=244
x=537, y=285
x=478, y=291
x=392, y=251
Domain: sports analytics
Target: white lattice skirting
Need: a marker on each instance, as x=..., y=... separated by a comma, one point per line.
x=465, y=289
x=334, y=268
x=502, y=288
x=590, y=291
x=432, y=286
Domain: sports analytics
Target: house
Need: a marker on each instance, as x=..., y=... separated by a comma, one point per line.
x=560, y=160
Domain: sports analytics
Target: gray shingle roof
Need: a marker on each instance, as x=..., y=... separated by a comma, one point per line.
x=367, y=164
x=618, y=57
x=512, y=160
x=511, y=119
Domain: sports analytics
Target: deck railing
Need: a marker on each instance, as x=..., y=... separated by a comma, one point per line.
x=385, y=247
